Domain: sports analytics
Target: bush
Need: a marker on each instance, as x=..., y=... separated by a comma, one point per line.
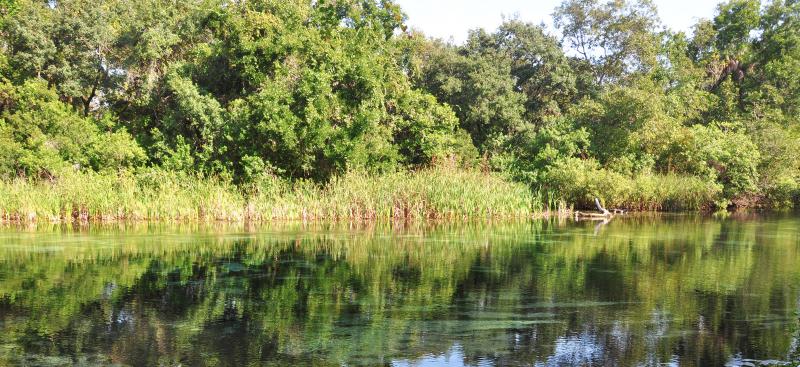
x=783, y=192
x=40, y=135
x=580, y=181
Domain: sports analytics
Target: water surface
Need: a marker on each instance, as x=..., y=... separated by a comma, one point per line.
x=638, y=291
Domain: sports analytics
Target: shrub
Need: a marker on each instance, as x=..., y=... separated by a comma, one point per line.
x=580, y=181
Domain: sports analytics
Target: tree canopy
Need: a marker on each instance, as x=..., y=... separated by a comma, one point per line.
x=307, y=90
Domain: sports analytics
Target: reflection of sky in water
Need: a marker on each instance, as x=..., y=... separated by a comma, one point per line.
x=578, y=350
x=584, y=349
x=738, y=361
x=454, y=357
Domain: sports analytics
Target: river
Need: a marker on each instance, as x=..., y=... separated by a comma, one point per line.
x=642, y=290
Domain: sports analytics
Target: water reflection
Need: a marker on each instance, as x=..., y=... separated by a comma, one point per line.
x=684, y=291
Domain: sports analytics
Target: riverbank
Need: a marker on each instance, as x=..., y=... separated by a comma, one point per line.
x=436, y=193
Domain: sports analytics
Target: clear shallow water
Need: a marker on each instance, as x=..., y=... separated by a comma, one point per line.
x=674, y=291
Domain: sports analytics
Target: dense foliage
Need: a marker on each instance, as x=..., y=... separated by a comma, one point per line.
x=612, y=105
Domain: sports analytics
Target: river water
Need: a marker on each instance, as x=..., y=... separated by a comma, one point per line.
x=669, y=290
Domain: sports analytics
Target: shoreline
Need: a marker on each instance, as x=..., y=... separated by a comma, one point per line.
x=432, y=194
x=157, y=195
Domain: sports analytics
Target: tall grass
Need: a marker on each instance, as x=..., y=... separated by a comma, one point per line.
x=152, y=195
x=436, y=193
x=579, y=184
x=440, y=193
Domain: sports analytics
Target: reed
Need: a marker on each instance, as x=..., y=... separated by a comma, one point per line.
x=435, y=193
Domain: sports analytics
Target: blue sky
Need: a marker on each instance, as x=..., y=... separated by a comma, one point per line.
x=453, y=18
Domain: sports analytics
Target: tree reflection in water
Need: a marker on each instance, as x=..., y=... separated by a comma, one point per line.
x=642, y=291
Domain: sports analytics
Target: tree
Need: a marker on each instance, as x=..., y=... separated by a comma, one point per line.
x=541, y=70
x=480, y=88
x=734, y=22
x=777, y=59
x=64, y=42
x=40, y=135
x=7, y=8
x=613, y=38
x=502, y=85
x=322, y=93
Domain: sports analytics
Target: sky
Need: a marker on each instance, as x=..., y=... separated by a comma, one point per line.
x=453, y=18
